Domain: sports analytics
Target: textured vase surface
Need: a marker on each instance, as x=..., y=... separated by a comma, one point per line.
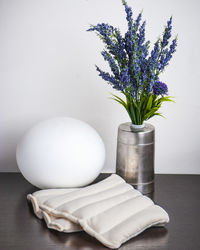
x=135, y=156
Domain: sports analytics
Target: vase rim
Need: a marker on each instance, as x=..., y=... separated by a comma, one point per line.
x=137, y=126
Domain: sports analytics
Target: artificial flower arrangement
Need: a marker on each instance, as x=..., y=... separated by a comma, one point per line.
x=135, y=70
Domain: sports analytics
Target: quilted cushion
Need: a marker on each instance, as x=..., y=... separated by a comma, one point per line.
x=112, y=211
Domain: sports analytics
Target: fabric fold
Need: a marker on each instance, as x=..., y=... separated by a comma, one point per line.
x=111, y=210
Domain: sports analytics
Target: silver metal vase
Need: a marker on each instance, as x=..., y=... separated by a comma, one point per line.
x=135, y=156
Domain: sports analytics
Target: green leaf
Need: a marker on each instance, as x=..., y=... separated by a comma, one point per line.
x=154, y=114
x=119, y=102
x=159, y=114
x=150, y=113
x=149, y=104
x=130, y=105
x=165, y=99
x=133, y=113
x=122, y=102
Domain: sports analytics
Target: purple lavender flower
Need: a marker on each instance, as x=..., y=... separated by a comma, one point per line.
x=129, y=34
x=105, y=31
x=167, y=55
x=160, y=88
x=107, y=57
x=128, y=44
x=133, y=69
x=150, y=66
x=137, y=21
x=141, y=35
x=120, y=47
x=167, y=33
x=129, y=14
x=111, y=79
x=125, y=78
x=154, y=55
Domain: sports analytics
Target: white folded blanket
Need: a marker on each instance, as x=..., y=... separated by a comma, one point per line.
x=111, y=210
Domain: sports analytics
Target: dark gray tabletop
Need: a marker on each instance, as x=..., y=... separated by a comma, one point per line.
x=179, y=195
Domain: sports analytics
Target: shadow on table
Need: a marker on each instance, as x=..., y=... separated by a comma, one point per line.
x=152, y=238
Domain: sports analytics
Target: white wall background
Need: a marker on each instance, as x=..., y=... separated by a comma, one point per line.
x=47, y=69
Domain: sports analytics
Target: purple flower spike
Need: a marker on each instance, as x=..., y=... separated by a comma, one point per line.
x=160, y=88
